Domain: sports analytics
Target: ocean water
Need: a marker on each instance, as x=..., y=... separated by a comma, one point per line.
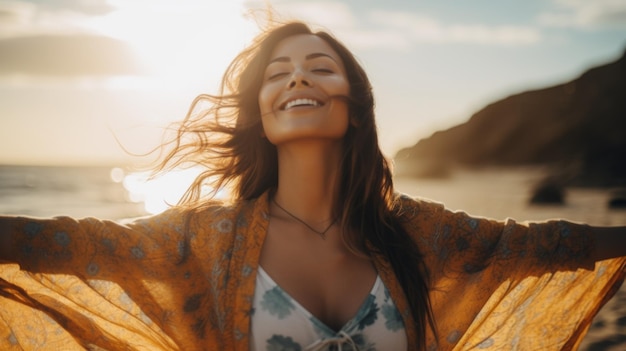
x=43, y=191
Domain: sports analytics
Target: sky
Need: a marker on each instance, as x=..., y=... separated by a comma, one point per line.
x=95, y=81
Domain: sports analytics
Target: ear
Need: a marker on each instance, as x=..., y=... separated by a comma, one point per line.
x=354, y=121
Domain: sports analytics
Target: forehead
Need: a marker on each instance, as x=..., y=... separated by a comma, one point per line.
x=301, y=45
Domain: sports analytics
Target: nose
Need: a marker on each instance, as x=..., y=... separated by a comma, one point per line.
x=298, y=78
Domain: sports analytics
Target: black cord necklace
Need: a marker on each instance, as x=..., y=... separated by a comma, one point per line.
x=320, y=233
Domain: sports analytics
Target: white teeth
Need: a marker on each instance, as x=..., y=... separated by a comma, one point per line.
x=301, y=102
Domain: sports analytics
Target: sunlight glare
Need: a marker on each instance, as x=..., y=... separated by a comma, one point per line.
x=160, y=193
x=117, y=175
x=184, y=42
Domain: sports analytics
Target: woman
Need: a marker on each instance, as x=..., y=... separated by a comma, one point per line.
x=315, y=251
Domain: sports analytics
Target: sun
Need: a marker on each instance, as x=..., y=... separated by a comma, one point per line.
x=184, y=47
x=181, y=44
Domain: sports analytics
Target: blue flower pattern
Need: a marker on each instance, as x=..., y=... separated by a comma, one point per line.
x=277, y=303
x=282, y=343
x=284, y=325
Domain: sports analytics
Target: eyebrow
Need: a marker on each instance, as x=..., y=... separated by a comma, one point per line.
x=307, y=57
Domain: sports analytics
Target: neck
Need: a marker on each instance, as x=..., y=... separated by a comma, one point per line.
x=308, y=180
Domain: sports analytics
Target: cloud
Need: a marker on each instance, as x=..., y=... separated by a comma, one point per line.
x=66, y=56
x=15, y=13
x=422, y=29
x=376, y=29
x=92, y=7
x=23, y=18
x=49, y=38
x=585, y=14
x=380, y=38
x=7, y=16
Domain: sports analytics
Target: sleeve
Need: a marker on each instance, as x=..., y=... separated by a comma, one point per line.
x=466, y=245
x=85, y=276
x=508, y=285
x=91, y=247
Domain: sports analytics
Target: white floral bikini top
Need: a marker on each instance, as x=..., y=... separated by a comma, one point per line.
x=279, y=322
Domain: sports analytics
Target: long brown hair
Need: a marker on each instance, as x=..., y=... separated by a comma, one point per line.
x=226, y=138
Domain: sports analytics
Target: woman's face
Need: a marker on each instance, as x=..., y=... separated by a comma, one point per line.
x=303, y=92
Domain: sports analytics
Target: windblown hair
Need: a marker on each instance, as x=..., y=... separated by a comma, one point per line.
x=226, y=139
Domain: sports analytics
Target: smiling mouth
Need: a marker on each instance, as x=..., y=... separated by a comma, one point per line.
x=301, y=103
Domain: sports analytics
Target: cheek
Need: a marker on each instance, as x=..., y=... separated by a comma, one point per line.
x=342, y=86
x=266, y=100
x=270, y=129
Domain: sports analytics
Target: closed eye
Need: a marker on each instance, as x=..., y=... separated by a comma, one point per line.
x=277, y=75
x=323, y=70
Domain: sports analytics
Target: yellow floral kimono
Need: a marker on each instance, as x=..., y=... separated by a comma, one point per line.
x=184, y=280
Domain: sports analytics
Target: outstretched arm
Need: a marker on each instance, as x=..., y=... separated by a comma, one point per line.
x=65, y=244
x=610, y=242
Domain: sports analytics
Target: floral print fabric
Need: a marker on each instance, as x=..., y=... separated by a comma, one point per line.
x=280, y=323
x=185, y=280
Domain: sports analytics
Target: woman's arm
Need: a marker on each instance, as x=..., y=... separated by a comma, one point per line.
x=83, y=247
x=92, y=247
x=610, y=242
x=59, y=244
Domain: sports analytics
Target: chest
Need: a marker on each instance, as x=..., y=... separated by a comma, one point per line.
x=280, y=322
x=328, y=282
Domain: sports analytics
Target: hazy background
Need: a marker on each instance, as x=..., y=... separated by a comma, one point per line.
x=76, y=74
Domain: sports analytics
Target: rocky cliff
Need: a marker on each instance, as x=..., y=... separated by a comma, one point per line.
x=578, y=126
